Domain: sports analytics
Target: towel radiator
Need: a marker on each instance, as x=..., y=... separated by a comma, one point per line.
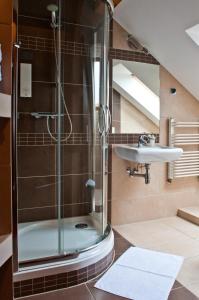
x=188, y=164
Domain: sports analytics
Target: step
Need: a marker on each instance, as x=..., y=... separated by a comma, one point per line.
x=190, y=214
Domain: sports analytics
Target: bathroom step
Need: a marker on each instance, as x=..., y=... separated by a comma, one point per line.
x=190, y=214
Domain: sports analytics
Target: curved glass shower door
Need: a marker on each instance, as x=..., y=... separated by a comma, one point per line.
x=62, y=127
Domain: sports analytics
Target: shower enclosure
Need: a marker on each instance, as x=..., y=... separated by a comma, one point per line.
x=63, y=120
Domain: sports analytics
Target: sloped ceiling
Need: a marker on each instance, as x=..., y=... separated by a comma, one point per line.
x=160, y=26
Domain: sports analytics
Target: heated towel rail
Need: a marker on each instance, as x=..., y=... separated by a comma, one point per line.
x=188, y=164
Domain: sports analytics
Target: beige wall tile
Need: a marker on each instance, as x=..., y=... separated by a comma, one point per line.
x=132, y=200
x=120, y=37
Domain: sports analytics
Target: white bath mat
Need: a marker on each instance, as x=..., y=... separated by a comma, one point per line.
x=142, y=274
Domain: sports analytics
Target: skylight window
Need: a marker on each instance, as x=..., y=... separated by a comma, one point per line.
x=193, y=33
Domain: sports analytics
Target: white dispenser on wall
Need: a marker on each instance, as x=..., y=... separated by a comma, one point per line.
x=25, y=80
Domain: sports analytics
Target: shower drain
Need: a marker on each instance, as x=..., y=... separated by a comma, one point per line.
x=81, y=226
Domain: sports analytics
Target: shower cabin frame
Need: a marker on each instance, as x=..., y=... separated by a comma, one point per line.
x=107, y=125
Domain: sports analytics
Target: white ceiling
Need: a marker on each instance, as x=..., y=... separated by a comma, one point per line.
x=160, y=26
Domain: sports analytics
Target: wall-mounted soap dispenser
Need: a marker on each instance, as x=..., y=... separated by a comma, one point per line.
x=25, y=80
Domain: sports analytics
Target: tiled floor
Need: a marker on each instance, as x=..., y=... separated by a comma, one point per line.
x=89, y=292
x=173, y=235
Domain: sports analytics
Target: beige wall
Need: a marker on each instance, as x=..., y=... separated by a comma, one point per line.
x=133, y=120
x=120, y=37
x=134, y=201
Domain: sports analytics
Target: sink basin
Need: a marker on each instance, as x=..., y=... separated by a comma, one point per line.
x=148, y=154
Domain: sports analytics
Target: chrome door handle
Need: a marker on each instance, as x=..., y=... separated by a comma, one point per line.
x=108, y=125
x=102, y=130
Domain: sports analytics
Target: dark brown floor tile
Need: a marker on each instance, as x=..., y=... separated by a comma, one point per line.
x=117, y=234
x=80, y=292
x=182, y=294
x=179, y=293
x=101, y=295
x=89, y=292
x=176, y=285
x=121, y=245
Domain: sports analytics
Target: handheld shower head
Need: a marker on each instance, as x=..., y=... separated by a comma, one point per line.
x=53, y=8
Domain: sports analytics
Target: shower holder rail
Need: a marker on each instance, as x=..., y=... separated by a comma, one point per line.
x=188, y=164
x=38, y=115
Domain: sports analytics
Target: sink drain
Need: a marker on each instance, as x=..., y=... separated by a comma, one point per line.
x=81, y=226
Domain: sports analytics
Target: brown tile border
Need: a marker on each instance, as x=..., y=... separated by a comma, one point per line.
x=126, y=138
x=43, y=139
x=62, y=280
x=46, y=44
x=132, y=56
x=83, y=49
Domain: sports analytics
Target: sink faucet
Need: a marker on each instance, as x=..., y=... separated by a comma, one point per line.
x=143, y=140
x=146, y=139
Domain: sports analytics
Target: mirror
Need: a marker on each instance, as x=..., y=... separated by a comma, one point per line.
x=136, y=97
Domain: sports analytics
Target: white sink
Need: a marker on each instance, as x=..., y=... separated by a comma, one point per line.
x=148, y=154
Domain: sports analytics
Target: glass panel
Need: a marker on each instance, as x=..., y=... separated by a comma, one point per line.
x=36, y=150
x=62, y=125
x=83, y=210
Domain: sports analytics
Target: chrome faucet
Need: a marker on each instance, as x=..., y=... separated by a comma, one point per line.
x=143, y=140
x=146, y=139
